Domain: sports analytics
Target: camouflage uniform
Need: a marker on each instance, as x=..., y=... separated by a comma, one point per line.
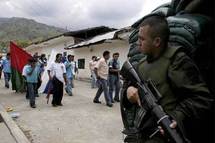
x=185, y=96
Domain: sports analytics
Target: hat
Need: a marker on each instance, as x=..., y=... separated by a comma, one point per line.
x=98, y=58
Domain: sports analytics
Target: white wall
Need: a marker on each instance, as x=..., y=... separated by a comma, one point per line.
x=120, y=46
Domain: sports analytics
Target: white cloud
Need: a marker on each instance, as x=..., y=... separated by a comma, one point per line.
x=78, y=14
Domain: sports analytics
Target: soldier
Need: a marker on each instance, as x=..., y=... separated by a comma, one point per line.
x=185, y=96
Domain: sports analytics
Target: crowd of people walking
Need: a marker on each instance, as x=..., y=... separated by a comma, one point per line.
x=104, y=76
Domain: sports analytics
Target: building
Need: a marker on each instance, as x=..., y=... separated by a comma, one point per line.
x=57, y=43
x=84, y=44
x=60, y=42
x=114, y=41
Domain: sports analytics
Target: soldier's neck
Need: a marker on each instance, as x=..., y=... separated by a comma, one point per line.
x=156, y=54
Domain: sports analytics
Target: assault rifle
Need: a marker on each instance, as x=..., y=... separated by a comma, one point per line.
x=149, y=97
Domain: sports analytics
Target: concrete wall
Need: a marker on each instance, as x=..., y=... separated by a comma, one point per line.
x=120, y=46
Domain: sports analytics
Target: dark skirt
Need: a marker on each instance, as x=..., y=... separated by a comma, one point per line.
x=49, y=88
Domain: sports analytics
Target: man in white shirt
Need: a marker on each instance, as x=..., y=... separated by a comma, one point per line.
x=101, y=71
x=58, y=78
x=92, y=64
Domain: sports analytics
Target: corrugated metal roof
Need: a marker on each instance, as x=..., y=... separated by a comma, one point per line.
x=96, y=39
x=89, y=32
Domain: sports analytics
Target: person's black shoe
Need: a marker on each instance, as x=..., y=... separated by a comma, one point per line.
x=109, y=105
x=33, y=106
x=60, y=104
x=97, y=101
x=112, y=101
x=117, y=100
x=54, y=105
x=36, y=95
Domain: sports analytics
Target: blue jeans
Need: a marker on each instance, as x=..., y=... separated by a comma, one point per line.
x=7, y=79
x=114, y=83
x=32, y=87
x=72, y=81
x=93, y=80
x=68, y=87
x=102, y=86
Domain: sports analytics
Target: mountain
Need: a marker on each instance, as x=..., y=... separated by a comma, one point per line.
x=25, y=31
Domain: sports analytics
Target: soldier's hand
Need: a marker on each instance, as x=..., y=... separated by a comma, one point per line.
x=173, y=125
x=133, y=96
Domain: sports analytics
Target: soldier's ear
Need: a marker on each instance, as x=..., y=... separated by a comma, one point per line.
x=157, y=42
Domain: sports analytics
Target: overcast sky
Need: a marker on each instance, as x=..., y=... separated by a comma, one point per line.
x=79, y=14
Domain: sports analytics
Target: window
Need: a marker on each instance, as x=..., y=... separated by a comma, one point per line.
x=81, y=63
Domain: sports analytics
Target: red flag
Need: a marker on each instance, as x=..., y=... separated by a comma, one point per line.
x=19, y=58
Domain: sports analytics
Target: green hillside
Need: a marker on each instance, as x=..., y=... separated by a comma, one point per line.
x=24, y=31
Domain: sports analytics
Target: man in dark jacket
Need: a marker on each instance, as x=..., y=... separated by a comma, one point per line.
x=185, y=96
x=114, y=81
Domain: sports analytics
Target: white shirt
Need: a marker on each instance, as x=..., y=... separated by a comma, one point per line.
x=58, y=69
x=102, y=68
x=24, y=70
x=1, y=62
x=92, y=65
x=74, y=64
